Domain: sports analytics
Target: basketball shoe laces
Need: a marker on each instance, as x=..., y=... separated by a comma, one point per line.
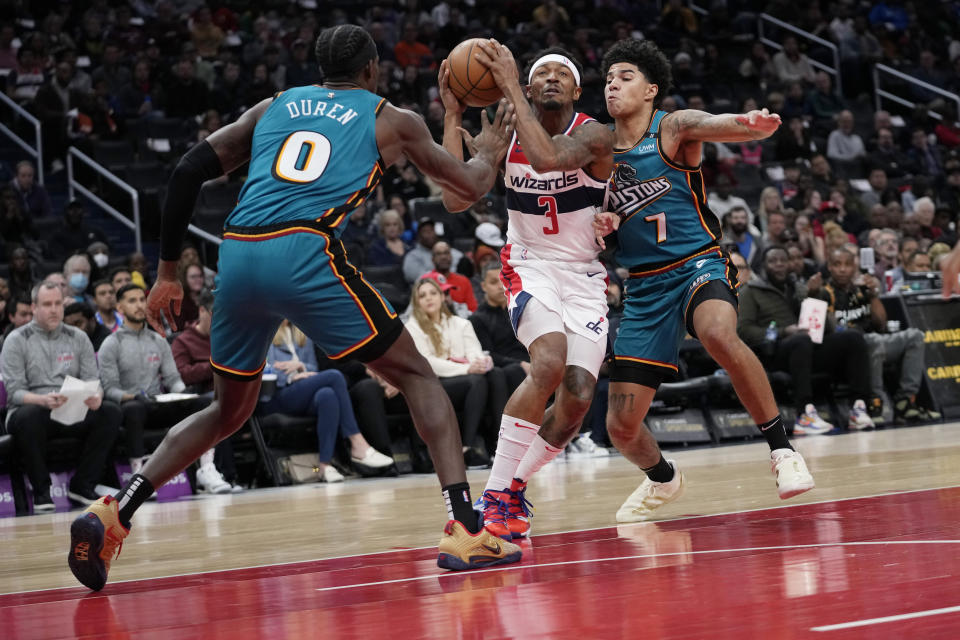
x=495, y=507
x=518, y=505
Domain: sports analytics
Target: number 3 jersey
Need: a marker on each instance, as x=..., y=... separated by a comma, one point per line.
x=551, y=214
x=314, y=156
x=664, y=218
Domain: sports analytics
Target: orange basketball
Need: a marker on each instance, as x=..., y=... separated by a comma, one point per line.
x=470, y=80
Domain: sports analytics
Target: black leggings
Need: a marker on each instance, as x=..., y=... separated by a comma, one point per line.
x=468, y=394
x=843, y=354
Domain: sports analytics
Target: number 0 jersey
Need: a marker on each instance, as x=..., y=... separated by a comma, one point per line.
x=664, y=218
x=551, y=214
x=314, y=156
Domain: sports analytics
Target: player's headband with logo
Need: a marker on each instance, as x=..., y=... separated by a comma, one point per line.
x=555, y=57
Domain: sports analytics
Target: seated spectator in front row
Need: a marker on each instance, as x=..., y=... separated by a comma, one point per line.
x=136, y=365
x=80, y=315
x=451, y=347
x=388, y=248
x=191, y=349
x=19, y=312
x=304, y=391
x=772, y=303
x=855, y=305
x=36, y=359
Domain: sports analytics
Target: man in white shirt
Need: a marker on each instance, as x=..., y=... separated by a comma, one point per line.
x=843, y=144
x=722, y=199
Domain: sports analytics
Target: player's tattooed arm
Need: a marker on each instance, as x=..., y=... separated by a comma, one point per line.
x=690, y=125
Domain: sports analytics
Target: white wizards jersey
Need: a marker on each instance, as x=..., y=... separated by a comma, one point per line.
x=551, y=214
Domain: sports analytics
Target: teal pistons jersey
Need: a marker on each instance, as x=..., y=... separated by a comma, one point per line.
x=662, y=206
x=314, y=157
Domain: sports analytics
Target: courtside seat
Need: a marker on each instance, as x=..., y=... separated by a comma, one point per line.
x=683, y=389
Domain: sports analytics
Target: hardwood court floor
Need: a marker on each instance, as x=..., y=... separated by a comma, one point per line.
x=916, y=531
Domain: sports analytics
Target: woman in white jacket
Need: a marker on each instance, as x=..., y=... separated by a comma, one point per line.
x=455, y=355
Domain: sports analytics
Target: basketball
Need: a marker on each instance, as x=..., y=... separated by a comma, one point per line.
x=470, y=80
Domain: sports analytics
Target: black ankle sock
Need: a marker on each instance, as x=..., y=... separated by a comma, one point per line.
x=460, y=505
x=134, y=494
x=660, y=472
x=775, y=433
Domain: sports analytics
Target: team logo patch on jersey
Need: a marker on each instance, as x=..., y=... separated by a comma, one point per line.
x=628, y=195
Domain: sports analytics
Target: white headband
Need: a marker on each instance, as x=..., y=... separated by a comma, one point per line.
x=554, y=57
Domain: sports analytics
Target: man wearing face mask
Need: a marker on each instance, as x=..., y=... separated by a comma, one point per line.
x=75, y=234
x=76, y=270
x=99, y=254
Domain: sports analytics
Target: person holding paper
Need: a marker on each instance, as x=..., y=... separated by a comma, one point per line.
x=136, y=366
x=36, y=360
x=769, y=323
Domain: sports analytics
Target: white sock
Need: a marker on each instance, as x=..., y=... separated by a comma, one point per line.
x=512, y=443
x=540, y=453
x=206, y=459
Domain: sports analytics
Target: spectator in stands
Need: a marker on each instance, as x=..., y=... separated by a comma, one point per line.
x=923, y=157
x=191, y=349
x=451, y=347
x=18, y=311
x=745, y=274
x=927, y=72
x=923, y=211
x=76, y=271
x=207, y=37
x=192, y=280
x=113, y=71
x=80, y=315
x=302, y=390
x=770, y=200
x=32, y=197
x=120, y=276
x=54, y=100
x=15, y=227
x=26, y=79
x=74, y=234
x=844, y=145
x=738, y=231
x=949, y=195
x=823, y=104
x=388, y=248
x=776, y=225
x=260, y=86
x=790, y=65
x=461, y=291
x=771, y=305
x=758, y=65
x=186, y=95
x=811, y=245
x=8, y=52
x=800, y=268
x=855, y=305
x=409, y=52
x=141, y=97
x=793, y=141
x=4, y=297
x=139, y=270
x=357, y=233
x=105, y=300
x=99, y=254
x=491, y=324
x=917, y=262
x=229, y=91
x=888, y=156
x=722, y=199
x=821, y=174
x=419, y=260
x=301, y=71
x=23, y=272
x=880, y=190
x=36, y=359
x=794, y=102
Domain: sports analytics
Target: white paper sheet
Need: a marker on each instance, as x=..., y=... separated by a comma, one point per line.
x=813, y=318
x=74, y=410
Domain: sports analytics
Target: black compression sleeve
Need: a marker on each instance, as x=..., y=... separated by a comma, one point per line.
x=196, y=167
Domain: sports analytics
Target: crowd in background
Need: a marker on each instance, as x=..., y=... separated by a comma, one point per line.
x=838, y=177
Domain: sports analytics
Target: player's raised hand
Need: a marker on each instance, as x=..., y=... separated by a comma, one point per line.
x=761, y=121
x=494, y=137
x=449, y=101
x=499, y=60
x=604, y=223
x=165, y=294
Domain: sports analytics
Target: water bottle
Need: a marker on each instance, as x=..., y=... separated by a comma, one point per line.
x=771, y=334
x=268, y=384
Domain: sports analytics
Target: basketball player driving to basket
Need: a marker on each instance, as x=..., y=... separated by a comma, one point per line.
x=555, y=173
x=318, y=148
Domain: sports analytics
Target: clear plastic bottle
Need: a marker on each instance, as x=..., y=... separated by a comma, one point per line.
x=771, y=334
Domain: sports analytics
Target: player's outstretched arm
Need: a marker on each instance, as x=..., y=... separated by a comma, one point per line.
x=590, y=143
x=222, y=152
x=463, y=183
x=690, y=125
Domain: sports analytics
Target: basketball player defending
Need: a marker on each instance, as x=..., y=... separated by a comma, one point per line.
x=312, y=150
x=555, y=173
x=680, y=280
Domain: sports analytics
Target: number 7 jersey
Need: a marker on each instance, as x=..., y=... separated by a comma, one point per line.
x=551, y=214
x=314, y=156
x=662, y=206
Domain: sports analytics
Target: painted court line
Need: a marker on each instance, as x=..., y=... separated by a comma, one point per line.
x=517, y=567
x=870, y=621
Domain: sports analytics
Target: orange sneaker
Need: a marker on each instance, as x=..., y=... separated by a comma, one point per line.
x=493, y=505
x=96, y=537
x=519, y=509
x=460, y=550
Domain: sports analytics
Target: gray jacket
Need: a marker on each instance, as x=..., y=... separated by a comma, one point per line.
x=37, y=361
x=132, y=361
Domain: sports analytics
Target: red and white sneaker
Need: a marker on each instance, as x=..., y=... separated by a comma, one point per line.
x=493, y=506
x=519, y=509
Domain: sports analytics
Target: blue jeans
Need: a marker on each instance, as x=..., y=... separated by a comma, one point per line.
x=325, y=396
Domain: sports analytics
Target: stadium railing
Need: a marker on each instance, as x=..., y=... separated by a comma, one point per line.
x=35, y=152
x=881, y=70
x=826, y=44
